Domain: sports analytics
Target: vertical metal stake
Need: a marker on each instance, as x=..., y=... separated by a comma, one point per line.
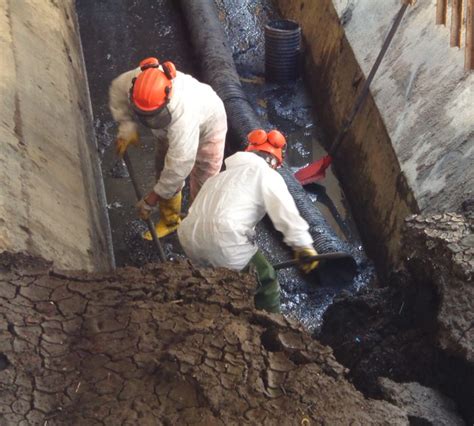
x=149, y=222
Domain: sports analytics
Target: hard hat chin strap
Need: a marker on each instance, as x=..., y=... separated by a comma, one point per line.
x=269, y=158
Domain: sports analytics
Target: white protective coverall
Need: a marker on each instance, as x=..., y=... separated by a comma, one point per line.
x=219, y=229
x=193, y=142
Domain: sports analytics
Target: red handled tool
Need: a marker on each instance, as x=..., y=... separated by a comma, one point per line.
x=317, y=170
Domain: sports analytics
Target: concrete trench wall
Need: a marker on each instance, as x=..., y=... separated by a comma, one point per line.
x=52, y=201
x=411, y=148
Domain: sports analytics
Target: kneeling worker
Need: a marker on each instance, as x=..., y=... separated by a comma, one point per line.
x=220, y=227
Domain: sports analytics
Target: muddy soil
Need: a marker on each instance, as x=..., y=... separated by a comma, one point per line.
x=166, y=344
x=420, y=327
x=383, y=333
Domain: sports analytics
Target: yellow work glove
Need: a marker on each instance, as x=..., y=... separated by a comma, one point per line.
x=304, y=253
x=170, y=216
x=122, y=143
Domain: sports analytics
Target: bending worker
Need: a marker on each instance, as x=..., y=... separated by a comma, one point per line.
x=189, y=121
x=219, y=229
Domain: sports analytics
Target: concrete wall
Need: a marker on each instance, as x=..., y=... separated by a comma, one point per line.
x=411, y=146
x=51, y=196
x=425, y=97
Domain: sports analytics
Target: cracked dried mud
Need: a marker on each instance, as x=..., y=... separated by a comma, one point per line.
x=165, y=344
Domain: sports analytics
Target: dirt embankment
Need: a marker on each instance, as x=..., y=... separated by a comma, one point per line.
x=166, y=344
x=420, y=327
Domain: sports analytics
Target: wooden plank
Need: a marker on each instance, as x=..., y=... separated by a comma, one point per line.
x=469, y=55
x=456, y=23
x=441, y=12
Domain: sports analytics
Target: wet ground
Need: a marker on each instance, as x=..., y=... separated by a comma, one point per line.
x=288, y=107
x=115, y=37
x=420, y=327
x=165, y=344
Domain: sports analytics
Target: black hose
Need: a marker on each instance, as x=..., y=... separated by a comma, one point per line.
x=218, y=70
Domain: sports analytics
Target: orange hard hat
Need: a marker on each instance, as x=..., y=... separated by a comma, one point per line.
x=272, y=142
x=152, y=88
x=276, y=139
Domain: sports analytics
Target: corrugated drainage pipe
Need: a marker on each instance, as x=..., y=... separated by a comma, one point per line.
x=218, y=70
x=282, y=50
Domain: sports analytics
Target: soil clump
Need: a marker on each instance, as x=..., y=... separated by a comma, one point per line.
x=420, y=326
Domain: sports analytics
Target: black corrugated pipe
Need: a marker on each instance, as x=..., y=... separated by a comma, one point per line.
x=218, y=70
x=282, y=50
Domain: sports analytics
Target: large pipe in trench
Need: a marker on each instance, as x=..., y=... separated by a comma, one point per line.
x=218, y=70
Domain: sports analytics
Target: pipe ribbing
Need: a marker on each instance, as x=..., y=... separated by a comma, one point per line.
x=282, y=50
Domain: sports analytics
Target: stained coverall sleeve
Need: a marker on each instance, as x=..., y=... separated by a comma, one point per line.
x=281, y=208
x=120, y=106
x=183, y=143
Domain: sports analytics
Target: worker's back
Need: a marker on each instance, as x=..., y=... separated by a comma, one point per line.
x=219, y=229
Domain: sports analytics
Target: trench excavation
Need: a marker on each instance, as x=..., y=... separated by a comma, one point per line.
x=250, y=101
x=287, y=107
x=151, y=343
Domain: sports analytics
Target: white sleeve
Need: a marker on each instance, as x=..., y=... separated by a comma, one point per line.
x=183, y=143
x=281, y=208
x=120, y=106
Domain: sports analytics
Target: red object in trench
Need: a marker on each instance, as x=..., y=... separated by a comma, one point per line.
x=314, y=172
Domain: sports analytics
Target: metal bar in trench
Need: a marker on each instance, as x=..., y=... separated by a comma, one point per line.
x=365, y=89
x=325, y=256
x=149, y=222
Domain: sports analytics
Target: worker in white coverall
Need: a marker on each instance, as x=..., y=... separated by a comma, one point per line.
x=189, y=121
x=219, y=229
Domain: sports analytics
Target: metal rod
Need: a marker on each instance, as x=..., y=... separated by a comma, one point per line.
x=456, y=23
x=326, y=256
x=365, y=89
x=441, y=12
x=469, y=55
x=149, y=222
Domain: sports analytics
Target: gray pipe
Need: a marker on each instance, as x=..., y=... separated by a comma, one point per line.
x=218, y=70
